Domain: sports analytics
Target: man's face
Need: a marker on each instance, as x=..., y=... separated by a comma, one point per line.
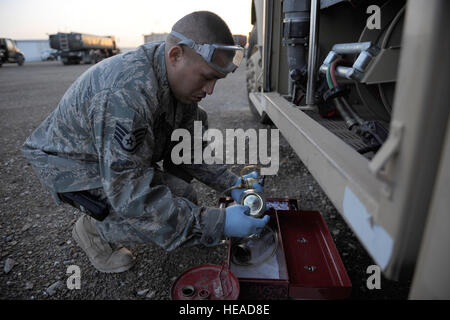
x=190, y=77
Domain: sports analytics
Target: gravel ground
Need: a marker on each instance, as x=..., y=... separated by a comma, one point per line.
x=36, y=246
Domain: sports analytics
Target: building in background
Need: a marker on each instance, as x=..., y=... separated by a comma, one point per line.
x=155, y=37
x=33, y=49
x=240, y=40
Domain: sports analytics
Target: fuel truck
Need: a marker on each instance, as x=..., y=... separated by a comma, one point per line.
x=75, y=48
x=359, y=89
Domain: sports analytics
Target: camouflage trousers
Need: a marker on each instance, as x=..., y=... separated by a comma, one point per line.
x=116, y=229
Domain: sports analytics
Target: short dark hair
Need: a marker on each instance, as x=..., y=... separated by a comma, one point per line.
x=202, y=27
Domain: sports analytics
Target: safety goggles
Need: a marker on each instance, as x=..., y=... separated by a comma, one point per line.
x=222, y=58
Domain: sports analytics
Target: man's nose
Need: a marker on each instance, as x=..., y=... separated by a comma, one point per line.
x=209, y=86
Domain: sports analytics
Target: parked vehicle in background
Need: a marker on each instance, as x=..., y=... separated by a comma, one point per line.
x=10, y=53
x=49, y=55
x=74, y=48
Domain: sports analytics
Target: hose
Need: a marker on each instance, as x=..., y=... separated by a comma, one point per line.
x=333, y=71
x=330, y=83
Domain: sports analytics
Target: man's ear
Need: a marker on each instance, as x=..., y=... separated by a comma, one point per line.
x=175, y=54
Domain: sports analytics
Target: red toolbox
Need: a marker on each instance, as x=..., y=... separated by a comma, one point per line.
x=305, y=264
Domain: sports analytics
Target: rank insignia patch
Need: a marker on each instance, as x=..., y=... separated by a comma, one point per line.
x=129, y=141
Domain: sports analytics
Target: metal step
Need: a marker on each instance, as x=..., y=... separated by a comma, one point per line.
x=337, y=127
x=63, y=42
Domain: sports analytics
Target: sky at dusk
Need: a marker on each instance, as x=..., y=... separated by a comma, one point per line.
x=127, y=20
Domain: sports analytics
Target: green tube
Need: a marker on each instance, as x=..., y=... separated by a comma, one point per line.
x=330, y=83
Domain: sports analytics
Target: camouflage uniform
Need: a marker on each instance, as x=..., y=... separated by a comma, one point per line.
x=107, y=135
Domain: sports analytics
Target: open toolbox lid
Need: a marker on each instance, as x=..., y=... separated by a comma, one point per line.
x=314, y=266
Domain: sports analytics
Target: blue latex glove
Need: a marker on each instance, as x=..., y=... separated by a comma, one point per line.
x=239, y=224
x=236, y=193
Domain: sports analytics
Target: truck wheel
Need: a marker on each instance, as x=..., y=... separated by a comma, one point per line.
x=254, y=74
x=20, y=60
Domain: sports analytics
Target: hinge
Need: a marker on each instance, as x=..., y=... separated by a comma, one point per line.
x=382, y=165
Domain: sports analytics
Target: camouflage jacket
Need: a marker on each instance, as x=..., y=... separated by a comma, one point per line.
x=109, y=129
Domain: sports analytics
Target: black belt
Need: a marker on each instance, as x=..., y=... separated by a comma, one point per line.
x=87, y=203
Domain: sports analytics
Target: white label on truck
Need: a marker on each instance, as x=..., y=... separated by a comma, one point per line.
x=376, y=240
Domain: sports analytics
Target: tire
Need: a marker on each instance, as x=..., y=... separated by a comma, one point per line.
x=20, y=60
x=254, y=70
x=69, y=62
x=252, y=41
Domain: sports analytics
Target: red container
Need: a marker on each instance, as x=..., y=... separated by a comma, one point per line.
x=206, y=282
x=307, y=261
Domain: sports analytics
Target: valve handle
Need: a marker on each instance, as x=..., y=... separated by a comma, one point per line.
x=248, y=182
